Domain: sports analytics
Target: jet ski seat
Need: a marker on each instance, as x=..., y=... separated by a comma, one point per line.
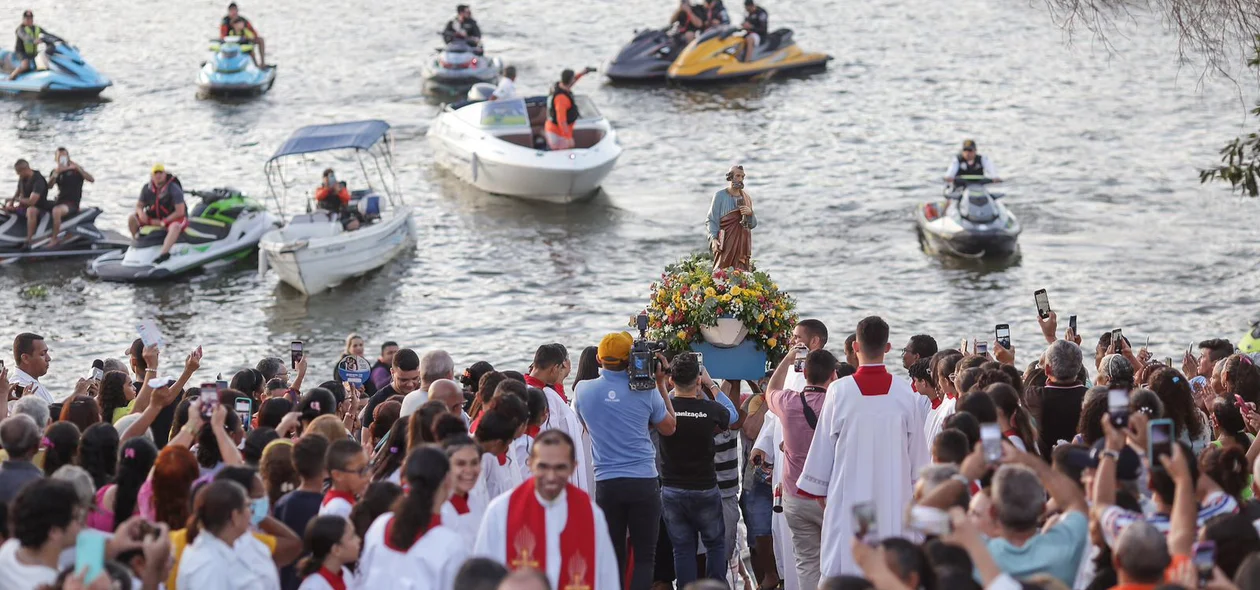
x=977, y=207
x=199, y=231
x=776, y=40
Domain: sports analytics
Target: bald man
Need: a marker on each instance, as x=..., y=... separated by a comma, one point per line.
x=525, y=579
x=450, y=394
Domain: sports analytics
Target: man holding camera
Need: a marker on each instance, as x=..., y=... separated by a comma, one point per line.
x=618, y=419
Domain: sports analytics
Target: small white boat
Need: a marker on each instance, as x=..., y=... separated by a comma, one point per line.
x=315, y=251
x=499, y=147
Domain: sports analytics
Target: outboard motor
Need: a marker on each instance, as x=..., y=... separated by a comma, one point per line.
x=977, y=206
x=481, y=91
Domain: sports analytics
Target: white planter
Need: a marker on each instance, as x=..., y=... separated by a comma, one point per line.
x=728, y=333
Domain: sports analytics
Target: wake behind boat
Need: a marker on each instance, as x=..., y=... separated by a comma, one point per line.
x=499, y=147
x=231, y=71
x=60, y=72
x=970, y=223
x=320, y=249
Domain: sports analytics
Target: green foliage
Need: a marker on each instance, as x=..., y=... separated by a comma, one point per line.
x=1240, y=158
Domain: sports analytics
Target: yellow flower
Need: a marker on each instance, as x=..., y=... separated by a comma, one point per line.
x=710, y=292
x=760, y=317
x=736, y=290
x=773, y=342
x=681, y=337
x=669, y=311
x=725, y=298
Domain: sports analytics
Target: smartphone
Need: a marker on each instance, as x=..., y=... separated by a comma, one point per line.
x=295, y=352
x=150, y=335
x=210, y=389
x=220, y=381
x=1003, y=334
x=700, y=358
x=991, y=439
x=1168, y=361
x=799, y=364
x=1242, y=406
x=982, y=348
x=243, y=405
x=1118, y=407
x=930, y=521
x=1159, y=437
x=1072, y=324
x=97, y=374
x=208, y=403
x=158, y=382
x=1117, y=336
x=89, y=554
x=1205, y=561
x=864, y=518
x=1043, y=303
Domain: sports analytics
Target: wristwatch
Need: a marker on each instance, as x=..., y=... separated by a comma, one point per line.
x=1107, y=454
x=962, y=479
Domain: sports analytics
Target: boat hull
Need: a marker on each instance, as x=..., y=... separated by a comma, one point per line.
x=136, y=264
x=994, y=241
x=316, y=265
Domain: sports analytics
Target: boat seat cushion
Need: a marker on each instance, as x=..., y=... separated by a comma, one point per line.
x=199, y=231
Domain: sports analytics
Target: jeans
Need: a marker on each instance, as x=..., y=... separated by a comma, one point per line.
x=758, y=509
x=691, y=512
x=632, y=505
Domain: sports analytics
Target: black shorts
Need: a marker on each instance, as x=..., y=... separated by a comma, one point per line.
x=44, y=205
x=71, y=204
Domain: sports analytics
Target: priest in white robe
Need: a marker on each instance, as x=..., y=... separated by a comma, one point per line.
x=551, y=525
x=770, y=442
x=551, y=366
x=868, y=447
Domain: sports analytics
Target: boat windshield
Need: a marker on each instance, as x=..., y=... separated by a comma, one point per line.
x=586, y=108
x=500, y=114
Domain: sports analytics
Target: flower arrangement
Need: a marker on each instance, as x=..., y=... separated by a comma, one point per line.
x=691, y=294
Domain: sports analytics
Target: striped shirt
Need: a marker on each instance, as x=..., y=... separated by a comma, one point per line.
x=1115, y=519
x=726, y=462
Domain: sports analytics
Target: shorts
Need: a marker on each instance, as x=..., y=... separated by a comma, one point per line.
x=758, y=508
x=44, y=205
x=71, y=205
x=756, y=39
x=558, y=142
x=176, y=224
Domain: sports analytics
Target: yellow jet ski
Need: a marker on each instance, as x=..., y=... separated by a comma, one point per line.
x=713, y=56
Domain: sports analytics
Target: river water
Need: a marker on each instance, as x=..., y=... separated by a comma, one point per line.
x=1101, y=150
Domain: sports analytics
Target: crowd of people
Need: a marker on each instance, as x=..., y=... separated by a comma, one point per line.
x=831, y=472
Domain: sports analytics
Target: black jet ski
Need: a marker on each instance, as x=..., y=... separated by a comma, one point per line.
x=79, y=237
x=970, y=223
x=647, y=58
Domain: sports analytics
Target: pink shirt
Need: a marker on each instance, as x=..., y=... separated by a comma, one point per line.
x=797, y=435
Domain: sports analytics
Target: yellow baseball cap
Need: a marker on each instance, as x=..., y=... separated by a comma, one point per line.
x=157, y=168
x=615, y=348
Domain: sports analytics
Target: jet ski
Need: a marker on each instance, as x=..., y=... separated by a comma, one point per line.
x=224, y=227
x=1249, y=344
x=712, y=57
x=60, y=72
x=976, y=224
x=79, y=237
x=231, y=71
x=646, y=58
x=461, y=64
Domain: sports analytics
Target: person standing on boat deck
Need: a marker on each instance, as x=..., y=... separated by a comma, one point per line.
x=507, y=85
x=31, y=197
x=562, y=111
x=225, y=27
x=69, y=177
x=161, y=204
x=333, y=196
x=731, y=219
x=463, y=26
x=29, y=36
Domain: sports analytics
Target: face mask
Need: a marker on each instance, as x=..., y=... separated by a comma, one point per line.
x=258, y=509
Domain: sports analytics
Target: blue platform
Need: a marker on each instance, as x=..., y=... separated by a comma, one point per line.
x=743, y=362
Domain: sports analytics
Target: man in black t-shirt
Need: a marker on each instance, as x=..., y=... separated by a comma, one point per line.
x=69, y=177
x=30, y=198
x=756, y=27
x=296, y=508
x=404, y=378
x=690, y=498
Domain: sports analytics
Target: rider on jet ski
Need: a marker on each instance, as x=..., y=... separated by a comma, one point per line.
x=715, y=14
x=31, y=197
x=687, y=20
x=333, y=196
x=240, y=30
x=462, y=27
x=756, y=27
x=969, y=163
x=29, y=36
x=225, y=28
x=69, y=177
x=161, y=204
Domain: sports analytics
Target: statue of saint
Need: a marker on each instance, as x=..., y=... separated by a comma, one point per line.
x=731, y=220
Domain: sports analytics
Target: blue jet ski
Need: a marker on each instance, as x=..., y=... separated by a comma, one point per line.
x=60, y=72
x=231, y=71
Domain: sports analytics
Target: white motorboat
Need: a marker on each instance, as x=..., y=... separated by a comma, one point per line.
x=316, y=251
x=499, y=147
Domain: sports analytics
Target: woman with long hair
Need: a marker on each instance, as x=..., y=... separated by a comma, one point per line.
x=1227, y=466
x=485, y=391
x=1189, y=422
x=378, y=499
x=1089, y=428
x=1228, y=422
x=98, y=452
x=465, y=508
x=82, y=410
x=174, y=472
x=389, y=458
x=117, y=393
x=276, y=468
x=120, y=498
x=1239, y=376
x=330, y=544
x=1016, y=426
x=413, y=531
x=588, y=366
x=421, y=430
x=61, y=445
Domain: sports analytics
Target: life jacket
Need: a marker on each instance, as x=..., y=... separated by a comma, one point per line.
x=571, y=117
x=225, y=27
x=161, y=205
x=973, y=169
x=30, y=47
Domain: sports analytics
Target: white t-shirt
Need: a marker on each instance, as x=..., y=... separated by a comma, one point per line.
x=505, y=90
x=15, y=575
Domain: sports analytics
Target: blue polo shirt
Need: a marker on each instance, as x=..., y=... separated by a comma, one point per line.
x=619, y=421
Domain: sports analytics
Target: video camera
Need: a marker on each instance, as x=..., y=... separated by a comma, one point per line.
x=643, y=358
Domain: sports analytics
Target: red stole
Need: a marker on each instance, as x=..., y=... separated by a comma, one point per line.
x=873, y=379
x=936, y=403
x=334, y=579
x=527, y=536
x=332, y=494
x=460, y=503
x=532, y=381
